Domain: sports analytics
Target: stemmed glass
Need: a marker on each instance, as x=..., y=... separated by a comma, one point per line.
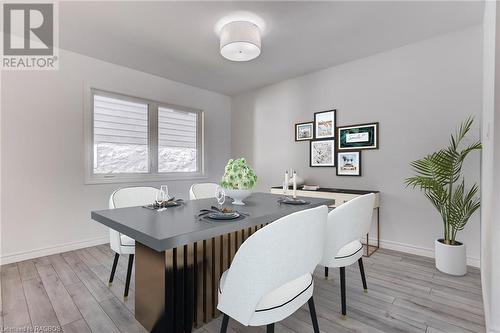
x=162, y=196
x=164, y=189
x=220, y=195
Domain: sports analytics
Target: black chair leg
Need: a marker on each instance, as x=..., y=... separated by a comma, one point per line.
x=312, y=311
x=113, y=269
x=363, y=277
x=270, y=328
x=129, y=273
x=326, y=272
x=225, y=320
x=342, y=291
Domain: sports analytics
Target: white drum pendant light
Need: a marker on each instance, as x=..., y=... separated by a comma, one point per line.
x=240, y=41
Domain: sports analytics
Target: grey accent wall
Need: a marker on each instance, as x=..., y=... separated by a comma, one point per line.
x=419, y=93
x=45, y=203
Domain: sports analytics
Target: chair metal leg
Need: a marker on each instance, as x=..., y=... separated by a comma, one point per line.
x=342, y=291
x=363, y=277
x=270, y=328
x=129, y=273
x=113, y=269
x=312, y=311
x=326, y=272
x=225, y=320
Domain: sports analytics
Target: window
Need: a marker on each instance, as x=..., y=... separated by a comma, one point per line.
x=135, y=139
x=176, y=140
x=120, y=136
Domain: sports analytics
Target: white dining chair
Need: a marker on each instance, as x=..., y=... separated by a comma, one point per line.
x=270, y=276
x=122, y=244
x=202, y=191
x=345, y=227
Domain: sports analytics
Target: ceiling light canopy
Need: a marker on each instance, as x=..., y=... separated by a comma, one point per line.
x=240, y=41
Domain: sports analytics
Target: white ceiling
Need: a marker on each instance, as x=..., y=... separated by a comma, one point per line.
x=177, y=40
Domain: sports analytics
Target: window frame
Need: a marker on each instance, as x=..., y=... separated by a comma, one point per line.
x=153, y=143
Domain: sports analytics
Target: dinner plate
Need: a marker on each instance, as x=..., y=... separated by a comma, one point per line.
x=223, y=216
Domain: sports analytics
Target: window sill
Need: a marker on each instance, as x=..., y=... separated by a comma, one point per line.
x=96, y=180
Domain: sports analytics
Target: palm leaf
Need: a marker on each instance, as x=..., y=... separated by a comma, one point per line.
x=438, y=176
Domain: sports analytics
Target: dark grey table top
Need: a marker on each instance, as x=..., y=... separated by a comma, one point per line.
x=179, y=225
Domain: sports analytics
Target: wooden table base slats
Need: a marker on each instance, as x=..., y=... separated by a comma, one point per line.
x=177, y=289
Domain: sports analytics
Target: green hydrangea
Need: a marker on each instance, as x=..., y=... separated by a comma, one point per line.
x=238, y=175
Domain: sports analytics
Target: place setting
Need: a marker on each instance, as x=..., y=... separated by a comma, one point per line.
x=164, y=201
x=220, y=213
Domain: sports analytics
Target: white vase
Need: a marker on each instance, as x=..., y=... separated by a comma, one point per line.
x=238, y=195
x=451, y=259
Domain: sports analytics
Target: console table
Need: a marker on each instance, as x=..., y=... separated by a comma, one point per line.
x=341, y=196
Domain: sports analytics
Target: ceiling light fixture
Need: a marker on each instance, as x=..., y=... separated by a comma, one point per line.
x=240, y=41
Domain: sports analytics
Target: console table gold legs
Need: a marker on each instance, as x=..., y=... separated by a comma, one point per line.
x=176, y=290
x=371, y=249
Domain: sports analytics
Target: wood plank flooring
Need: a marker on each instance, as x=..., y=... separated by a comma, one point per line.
x=69, y=292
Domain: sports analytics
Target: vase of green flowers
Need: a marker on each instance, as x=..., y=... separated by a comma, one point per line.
x=238, y=181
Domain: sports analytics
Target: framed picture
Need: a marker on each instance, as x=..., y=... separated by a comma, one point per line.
x=322, y=153
x=362, y=136
x=304, y=131
x=324, y=124
x=349, y=163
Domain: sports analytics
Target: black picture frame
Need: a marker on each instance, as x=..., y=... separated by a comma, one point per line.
x=360, y=168
x=333, y=144
x=334, y=125
x=373, y=137
x=311, y=123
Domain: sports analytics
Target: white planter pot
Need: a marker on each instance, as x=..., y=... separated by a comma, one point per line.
x=238, y=195
x=451, y=259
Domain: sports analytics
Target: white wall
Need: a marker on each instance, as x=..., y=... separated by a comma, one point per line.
x=45, y=204
x=490, y=179
x=419, y=93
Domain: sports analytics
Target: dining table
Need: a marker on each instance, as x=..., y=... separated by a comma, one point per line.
x=180, y=256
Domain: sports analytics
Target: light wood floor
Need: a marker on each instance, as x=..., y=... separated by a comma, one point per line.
x=406, y=294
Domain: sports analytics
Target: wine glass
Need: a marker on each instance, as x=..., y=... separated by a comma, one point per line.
x=160, y=196
x=220, y=195
x=164, y=189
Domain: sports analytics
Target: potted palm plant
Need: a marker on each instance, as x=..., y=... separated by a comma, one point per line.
x=238, y=181
x=438, y=176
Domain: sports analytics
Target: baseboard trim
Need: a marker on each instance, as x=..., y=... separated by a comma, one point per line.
x=417, y=250
x=20, y=256
x=47, y=251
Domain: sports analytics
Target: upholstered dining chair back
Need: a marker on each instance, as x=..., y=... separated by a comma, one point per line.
x=280, y=252
x=202, y=191
x=347, y=223
x=128, y=197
